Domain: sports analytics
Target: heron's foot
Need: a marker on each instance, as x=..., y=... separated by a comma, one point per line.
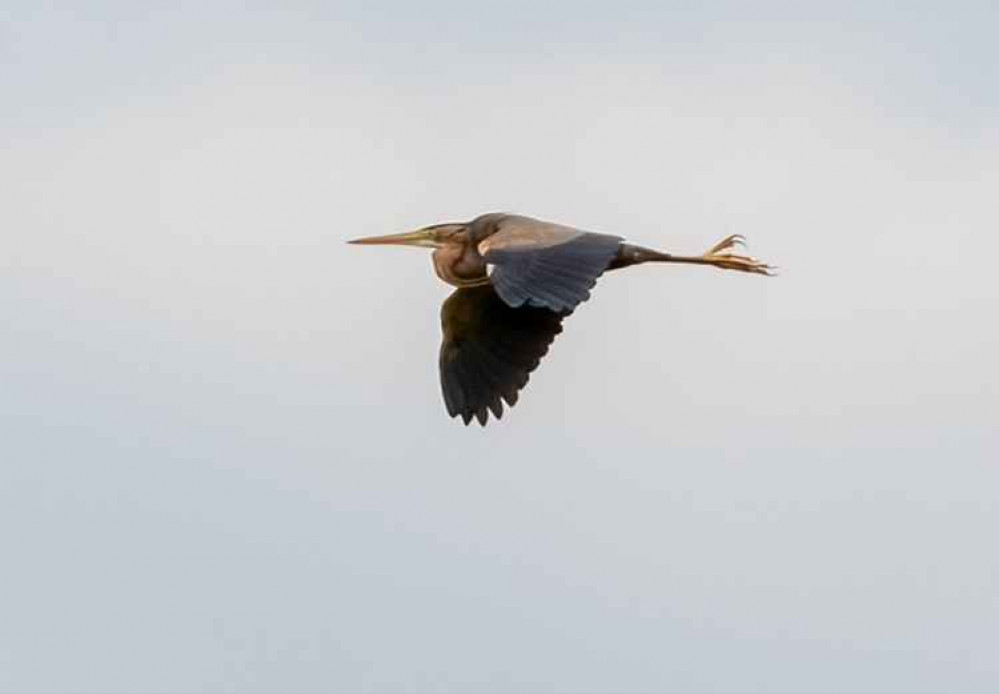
x=717, y=256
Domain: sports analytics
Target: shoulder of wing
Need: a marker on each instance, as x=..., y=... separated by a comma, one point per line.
x=514, y=232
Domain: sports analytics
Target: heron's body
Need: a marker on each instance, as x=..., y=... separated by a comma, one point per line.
x=517, y=278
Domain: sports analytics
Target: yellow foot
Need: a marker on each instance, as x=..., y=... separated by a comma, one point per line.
x=728, y=261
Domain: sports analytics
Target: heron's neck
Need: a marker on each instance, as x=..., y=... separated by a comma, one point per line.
x=460, y=266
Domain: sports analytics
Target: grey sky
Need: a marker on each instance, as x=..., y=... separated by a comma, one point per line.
x=224, y=462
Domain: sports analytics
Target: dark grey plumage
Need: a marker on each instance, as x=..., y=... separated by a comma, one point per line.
x=559, y=277
x=489, y=350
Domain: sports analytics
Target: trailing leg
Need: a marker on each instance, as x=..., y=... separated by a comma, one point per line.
x=716, y=256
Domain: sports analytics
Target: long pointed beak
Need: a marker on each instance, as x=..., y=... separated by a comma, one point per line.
x=422, y=237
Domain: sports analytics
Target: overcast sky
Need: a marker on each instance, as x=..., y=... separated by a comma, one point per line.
x=224, y=460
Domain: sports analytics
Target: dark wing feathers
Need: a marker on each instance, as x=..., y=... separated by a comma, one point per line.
x=489, y=350
x=543, y=264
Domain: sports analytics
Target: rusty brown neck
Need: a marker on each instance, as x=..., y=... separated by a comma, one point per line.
x=459, y=264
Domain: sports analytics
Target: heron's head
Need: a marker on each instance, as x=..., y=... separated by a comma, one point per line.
x=433, y=236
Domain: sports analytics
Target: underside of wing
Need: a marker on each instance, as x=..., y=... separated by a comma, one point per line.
x=542, y=264
x=489, y=350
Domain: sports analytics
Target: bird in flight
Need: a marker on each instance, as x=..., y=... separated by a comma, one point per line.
x=517, y=278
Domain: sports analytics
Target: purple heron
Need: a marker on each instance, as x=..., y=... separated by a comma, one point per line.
x=517, y=279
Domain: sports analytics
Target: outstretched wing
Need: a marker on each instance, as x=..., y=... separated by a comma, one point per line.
x=489, y=350
x=543, y=264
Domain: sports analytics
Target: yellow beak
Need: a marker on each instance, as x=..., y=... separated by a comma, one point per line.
x=422, y=237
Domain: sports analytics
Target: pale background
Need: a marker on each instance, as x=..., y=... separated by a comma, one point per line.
x=224, y=460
